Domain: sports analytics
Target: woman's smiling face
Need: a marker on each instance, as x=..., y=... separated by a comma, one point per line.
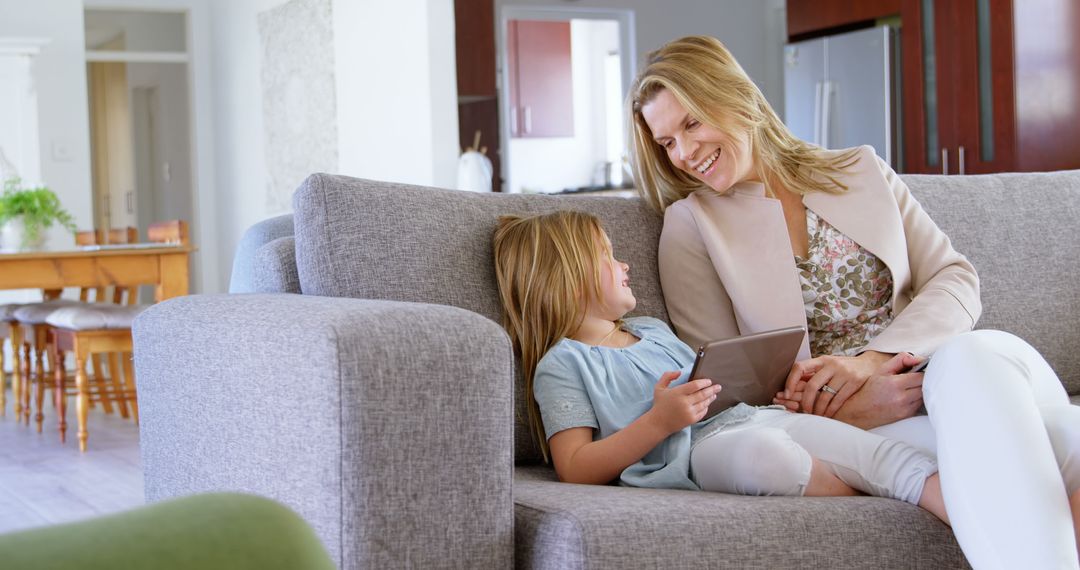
x=702, y=151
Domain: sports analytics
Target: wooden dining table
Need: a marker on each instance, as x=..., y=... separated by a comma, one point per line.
x=166, y=267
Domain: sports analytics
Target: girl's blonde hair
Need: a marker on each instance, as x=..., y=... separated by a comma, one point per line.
x=548, y=269
x=704, y=77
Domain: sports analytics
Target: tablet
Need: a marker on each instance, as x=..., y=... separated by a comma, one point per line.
x=751, y=368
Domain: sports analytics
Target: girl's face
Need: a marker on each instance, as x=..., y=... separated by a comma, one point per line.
x=702, y=151
x=616, y=297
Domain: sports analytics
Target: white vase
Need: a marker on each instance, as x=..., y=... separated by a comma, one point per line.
x=13, y=237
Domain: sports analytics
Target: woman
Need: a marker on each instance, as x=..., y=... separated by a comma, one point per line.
x=762, y=231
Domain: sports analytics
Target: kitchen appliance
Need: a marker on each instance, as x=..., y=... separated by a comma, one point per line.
x=842, y=91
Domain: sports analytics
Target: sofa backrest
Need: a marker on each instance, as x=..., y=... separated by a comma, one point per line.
x=1020, y=232
x=377, y=240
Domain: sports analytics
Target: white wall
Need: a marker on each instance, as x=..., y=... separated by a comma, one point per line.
x=397, y=90
x=63, y=118
x=396, y=101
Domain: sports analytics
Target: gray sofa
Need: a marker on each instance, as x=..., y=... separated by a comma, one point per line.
x=366, y=383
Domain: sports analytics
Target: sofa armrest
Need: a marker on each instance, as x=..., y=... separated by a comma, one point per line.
x=386, y=425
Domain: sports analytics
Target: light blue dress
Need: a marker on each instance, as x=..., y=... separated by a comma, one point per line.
x=579, y=385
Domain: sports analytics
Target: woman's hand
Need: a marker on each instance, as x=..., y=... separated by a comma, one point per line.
x=844, y=376
x=887, y=396
x=675, y=408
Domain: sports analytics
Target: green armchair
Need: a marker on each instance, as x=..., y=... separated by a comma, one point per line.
x=199, y=532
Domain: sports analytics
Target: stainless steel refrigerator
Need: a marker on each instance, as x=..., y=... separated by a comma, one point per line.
x=841, y=91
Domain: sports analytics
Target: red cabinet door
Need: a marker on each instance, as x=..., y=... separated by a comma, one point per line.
x=541, y=80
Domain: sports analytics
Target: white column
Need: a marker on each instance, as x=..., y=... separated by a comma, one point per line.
x=396, y=90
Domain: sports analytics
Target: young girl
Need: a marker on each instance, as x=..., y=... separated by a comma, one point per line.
x=611, y=400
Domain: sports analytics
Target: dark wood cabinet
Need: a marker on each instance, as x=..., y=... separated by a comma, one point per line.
x=474, y=28
x=540, y=78
x=809, y=18
x=960, y=99
x=478, y=104
x=987, y=85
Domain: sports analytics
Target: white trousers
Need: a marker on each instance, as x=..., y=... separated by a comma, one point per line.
x=770, y=454
x=1008, y=448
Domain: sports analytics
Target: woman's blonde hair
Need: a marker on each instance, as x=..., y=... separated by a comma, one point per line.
x=548, y=268
x=704, y=77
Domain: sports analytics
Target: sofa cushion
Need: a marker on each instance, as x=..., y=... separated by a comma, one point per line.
x=559, y=525
x=244, y=262
x=377, y=240
x=1017, y=229
x=274, y=268
x=7, y=311
x=95, y=316
x=38, y=313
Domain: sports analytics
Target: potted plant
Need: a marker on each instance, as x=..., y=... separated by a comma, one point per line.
x=26, y=212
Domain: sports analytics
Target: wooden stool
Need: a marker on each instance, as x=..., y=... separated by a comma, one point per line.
x=35, y=330
x=9, y=331
x=88, y=331
x=102, y=328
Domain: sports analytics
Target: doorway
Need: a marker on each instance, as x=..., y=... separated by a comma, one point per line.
x=138, y=85
x=565, y=73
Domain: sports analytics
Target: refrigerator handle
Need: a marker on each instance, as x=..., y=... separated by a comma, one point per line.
x=826, y=106
x=817, y=114
x=944, y=161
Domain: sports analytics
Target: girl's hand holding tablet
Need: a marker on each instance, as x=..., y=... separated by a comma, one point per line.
x=675, y=408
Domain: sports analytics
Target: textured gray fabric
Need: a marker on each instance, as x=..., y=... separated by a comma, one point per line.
x=95, y=316
x=559, y=525
x=377, y=240
x=386, y=433
x=7, y=311
x=37, y=313
x=1019, y=232
x=274, y=267
x=243, y=271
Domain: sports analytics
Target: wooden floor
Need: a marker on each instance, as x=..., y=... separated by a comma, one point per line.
x=44, y=482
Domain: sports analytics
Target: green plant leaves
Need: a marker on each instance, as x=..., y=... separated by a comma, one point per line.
x=38, y=207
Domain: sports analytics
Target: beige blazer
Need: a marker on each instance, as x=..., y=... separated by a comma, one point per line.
x=726, y=265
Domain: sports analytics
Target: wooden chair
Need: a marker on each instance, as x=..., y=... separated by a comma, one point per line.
x=21, y=356
x=32, y=330
x=91, y=330
x=6, y=334
x=13, y=330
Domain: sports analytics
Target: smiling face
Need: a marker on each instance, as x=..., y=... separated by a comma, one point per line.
x=616, y=297
x=706, y=153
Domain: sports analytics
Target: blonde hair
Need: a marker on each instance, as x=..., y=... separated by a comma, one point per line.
x=548, y=268
x=705, y=78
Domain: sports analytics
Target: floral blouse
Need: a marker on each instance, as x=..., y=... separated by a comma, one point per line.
x=847, y=291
